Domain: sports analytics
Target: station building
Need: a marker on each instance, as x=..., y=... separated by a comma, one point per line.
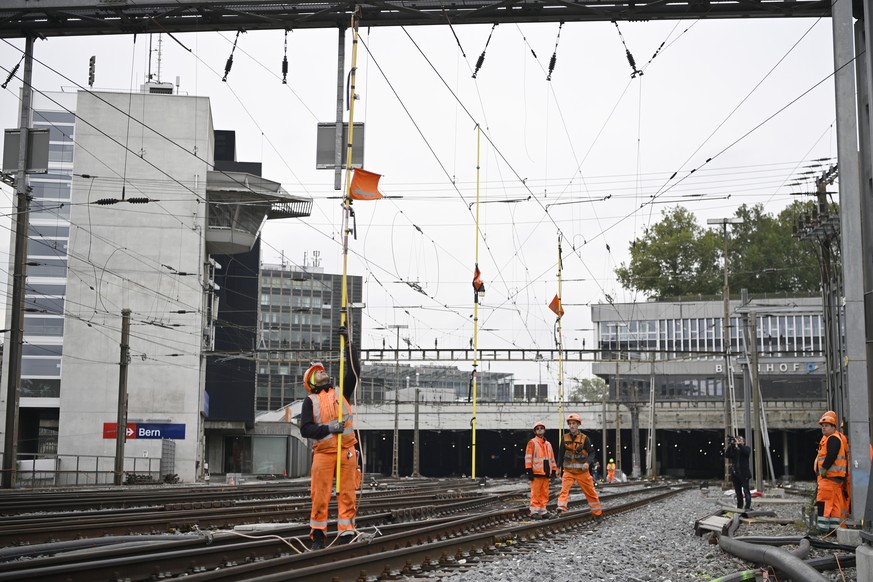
x=676, y=348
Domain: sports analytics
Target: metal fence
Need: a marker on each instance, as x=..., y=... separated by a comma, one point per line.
x=40, y=470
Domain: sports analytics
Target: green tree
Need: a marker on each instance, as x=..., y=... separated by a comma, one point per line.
x=588, y=390
x=673, y=257
x=678, y=257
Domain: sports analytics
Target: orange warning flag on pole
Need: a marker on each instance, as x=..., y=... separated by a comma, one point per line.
x=365, y=185
x=555, y=306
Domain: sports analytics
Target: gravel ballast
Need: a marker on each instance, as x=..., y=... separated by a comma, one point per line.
x=656, y=543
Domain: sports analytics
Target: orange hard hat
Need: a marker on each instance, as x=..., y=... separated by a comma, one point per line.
x=308, y=376
x=574, y=416
x=536, y=424
x=829, y=417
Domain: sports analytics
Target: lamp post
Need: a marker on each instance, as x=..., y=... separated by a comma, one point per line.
x=726, y=335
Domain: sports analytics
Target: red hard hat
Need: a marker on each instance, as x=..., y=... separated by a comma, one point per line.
x=536, y=424
x=574, y=416
x=829, y=417
x=308, y=380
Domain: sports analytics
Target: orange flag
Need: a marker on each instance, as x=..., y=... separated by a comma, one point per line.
x=478, y=285
x=555, y=306
x=365, y=185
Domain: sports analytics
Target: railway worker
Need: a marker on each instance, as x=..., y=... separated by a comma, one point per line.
x=738, y=452
x=540, y=466
x=320, y=423
x=610, y=471
x=832, y=473
x=575, y=457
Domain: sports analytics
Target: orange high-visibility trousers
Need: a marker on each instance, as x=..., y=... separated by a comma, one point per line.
x=586, y=484
x=323, y=471
x=833, y=505
x=610, y=476
x=539, y=495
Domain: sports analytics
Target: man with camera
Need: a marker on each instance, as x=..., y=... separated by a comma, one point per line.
x=738, y=454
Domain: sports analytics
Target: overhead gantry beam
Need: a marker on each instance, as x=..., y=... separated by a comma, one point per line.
x=45, y=18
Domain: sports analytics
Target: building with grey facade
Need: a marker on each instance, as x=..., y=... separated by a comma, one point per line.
x=300, y=309
x=128, y=219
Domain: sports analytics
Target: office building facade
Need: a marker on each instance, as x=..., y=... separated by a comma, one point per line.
x=129, y=219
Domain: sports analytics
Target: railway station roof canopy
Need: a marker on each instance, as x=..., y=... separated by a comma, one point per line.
x=45, y=18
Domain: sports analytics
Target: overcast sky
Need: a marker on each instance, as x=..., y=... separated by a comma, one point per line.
x=590, y=133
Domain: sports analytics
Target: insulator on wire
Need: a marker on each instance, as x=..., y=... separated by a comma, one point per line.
x=285, y=61
x=482, y=56
x=479, y=64
x=11, y=74
x=139, y=200
x=554, y=58
x=552, y=66
x=227, y=67
x=229, y=62
x=107, y=201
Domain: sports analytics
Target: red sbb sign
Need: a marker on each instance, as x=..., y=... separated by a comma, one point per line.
x=110, y=430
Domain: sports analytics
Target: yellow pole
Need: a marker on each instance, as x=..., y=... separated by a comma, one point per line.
x=347, y=207
x=476, y=303
x=560, y=350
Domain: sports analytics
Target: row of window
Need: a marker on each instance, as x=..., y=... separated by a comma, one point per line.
x=47, y=257
x=306, y=301
x=777, y=334
x=278, y=282
x=295, y=318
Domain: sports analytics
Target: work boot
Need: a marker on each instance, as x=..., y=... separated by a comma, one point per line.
x=345, y=537
x=548, y=515
x=598, y=519
x=317, y=539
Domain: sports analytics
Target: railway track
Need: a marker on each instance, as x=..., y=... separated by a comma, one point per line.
x=393, y=543
x=203, y=510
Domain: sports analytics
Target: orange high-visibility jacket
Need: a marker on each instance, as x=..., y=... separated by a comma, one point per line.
x=325, y=408
x=840, y=469
x=539, y=450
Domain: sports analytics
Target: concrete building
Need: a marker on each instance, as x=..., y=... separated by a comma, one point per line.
x=300, y=308
x=677, y=347
x=129, y=217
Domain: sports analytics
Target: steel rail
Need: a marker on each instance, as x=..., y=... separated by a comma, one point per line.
x=224, y=554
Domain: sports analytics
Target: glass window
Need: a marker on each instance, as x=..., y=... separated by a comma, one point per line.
x=41, y=388
x=60, y=153
x=52, y=190
x=44, y=289
x=50, y=305
x=270, y=454
x=49, y=230
x=46, y=247
x=42, y=209
x=47, y=268
x=46, y=326
x=54, y=116
x=40, y=366
x=31, y=349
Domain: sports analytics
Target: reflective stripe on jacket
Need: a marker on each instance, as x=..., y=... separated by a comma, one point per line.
x=539, y=450
x=575, y=452
x=325, y=408
x=839, y=470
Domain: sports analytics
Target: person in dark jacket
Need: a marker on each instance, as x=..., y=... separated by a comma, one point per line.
x=738, y=454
